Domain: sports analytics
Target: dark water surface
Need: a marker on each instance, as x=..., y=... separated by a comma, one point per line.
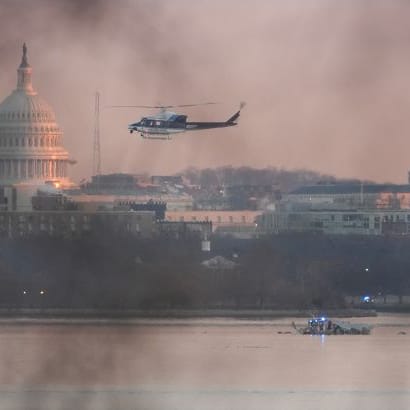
x=202, y=364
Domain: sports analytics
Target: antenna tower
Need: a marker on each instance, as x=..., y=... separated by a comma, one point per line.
x=97, y=149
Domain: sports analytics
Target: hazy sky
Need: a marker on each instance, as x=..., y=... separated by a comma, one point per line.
x=326, y=81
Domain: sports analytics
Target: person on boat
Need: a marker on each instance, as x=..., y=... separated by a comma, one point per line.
x=329, y=325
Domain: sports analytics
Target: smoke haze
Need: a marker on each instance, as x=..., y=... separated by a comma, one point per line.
x=326, y=82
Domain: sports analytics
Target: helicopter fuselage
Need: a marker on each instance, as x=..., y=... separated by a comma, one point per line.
x=166, y=123
x=160, y=126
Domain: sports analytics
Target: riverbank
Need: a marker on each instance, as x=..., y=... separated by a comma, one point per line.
x=254, y=314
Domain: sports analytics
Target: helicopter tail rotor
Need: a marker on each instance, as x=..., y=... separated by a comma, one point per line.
x=234, y=118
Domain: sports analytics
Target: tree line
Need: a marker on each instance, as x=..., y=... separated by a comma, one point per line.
x=283, y=179
x=114, y=271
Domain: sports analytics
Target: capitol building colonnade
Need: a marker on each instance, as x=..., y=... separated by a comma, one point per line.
x=31, y=148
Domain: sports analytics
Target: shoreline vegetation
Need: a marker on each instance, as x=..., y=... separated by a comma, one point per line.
x=116, y=275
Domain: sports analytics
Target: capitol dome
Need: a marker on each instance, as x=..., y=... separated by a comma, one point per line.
x=31, y=148
x=26, y=106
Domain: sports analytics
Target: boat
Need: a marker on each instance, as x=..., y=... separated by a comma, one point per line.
x=325, y=326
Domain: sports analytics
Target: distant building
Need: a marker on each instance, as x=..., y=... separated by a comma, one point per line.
x=336, y=222
x=183, y=230
x=8, y=198
x=110, y=202
x=350, y=196
x=249, y=196
x=167, y=179
x=108, y=191
x=112, y=183
x=211, y=200
x=158, y=207
x=52, y=201
x=76, y=223
x=235, y=223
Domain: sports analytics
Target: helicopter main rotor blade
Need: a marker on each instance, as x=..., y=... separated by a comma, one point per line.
x=134, y=106
x=193, y=105
x=161, y=106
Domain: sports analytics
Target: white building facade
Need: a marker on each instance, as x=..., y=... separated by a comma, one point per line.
x=336, y=222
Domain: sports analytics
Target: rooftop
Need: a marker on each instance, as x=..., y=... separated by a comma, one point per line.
x=334, y=189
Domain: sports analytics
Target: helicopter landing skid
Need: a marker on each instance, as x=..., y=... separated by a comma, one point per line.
x=161, y=137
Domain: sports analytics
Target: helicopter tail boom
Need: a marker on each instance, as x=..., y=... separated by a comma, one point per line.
x=207, y=125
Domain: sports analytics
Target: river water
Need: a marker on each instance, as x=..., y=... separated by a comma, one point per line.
x=202, y=364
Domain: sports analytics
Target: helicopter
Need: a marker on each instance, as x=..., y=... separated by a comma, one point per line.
x=164, y=124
